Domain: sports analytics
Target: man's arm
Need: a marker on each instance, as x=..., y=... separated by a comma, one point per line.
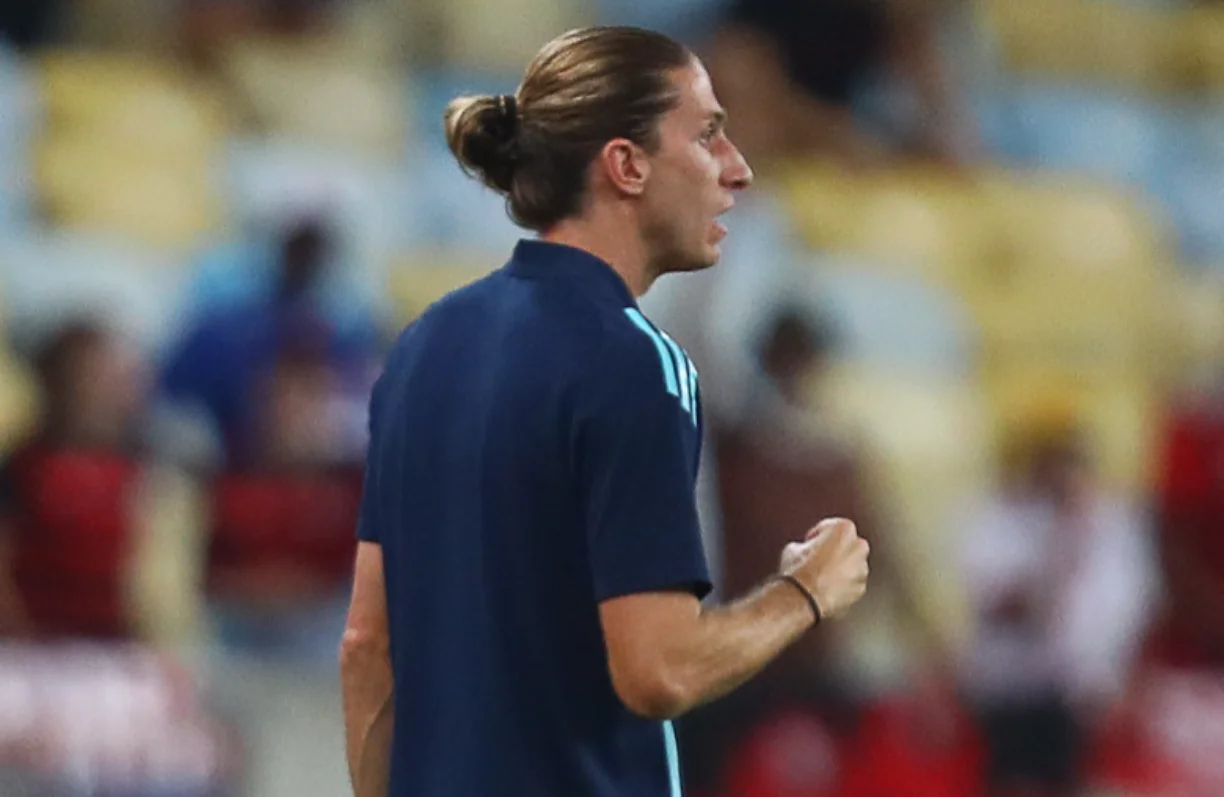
x=668, y=655
x=366, y=677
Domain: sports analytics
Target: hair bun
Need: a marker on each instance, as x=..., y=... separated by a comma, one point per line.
x=482, y=133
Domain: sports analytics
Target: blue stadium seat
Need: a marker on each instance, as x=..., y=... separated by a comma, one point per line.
x=1193, y=195
x=459, y=212
x=18, y=111
x=432, y=90
x=1191, y=187
x=894, y=320
x=1094, y=132
x=45, y=279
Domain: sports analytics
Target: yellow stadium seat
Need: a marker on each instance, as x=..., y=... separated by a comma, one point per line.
x=19, y=402
x=822, y=201
x=914, y=221
x=1093, y=230
x=1112, y=42
x=131, y=102
x=171, y=515
x=19, y=398
x=466, y=39
x=420, y=279
x=1202, y=52
x=1190, y=345
x=128, y=148
x=1077, y=275
x=319, y=94
x=929, y=443
x=91, y=186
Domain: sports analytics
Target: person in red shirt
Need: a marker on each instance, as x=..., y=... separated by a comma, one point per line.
x=1190, y=504
x=280, y=551
x=67, y=494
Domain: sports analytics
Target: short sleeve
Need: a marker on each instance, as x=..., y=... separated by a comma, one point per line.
x=636, y=461
x=368, y=516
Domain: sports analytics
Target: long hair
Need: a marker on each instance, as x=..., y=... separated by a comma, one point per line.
x=582, y=90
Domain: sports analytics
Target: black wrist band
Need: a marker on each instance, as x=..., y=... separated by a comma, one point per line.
x=807, y=594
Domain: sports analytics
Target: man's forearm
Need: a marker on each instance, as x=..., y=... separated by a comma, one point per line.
x=734, y=642
x=367, y=685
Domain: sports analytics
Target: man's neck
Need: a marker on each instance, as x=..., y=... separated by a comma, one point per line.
x=616, y=241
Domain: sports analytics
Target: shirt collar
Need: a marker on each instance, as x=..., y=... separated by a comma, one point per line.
x=536, y=259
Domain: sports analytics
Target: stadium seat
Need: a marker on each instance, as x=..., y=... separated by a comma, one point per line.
x=928, y=438
x=86, y=184
x=318, y=94
x=1192, y=192
x=19, y=101
x=465, y=37
x=421, y=278
x=134, y=103
x=894, y=321
x=1122, y=45
x=823, y=202
x=170, y=513
x=1098, y=133
x=127, y=148
x=458, y=212
x=1076, y=276
x=923, y=223
x=1201, y=32
x=45, y=279
x=1190, y=346
x=19, y=402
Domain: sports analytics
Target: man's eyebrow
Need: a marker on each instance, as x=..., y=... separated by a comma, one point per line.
x=719, y=117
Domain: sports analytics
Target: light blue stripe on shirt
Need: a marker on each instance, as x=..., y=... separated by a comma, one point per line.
x=692, y=369
x=673, y=759
x=669, y=367
x=682, y=362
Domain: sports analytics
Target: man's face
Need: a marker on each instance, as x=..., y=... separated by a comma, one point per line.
x=107, y=384
x=692, y=178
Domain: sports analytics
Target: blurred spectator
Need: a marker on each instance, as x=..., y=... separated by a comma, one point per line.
x=221, y=356
x=780, y=468
x=281, y=548
x=1191, y=524
x=1059, y=584
x=791, y=73
x=67, y=496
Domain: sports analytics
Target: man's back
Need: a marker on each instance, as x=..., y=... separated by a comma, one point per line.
x=535, y=443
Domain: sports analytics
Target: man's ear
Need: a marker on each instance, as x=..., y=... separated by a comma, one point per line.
x=625, y=166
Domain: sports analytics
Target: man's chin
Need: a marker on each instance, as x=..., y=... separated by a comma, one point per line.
x=707, y=259
x=688, y=262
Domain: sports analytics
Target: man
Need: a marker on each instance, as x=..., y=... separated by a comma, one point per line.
x=525, y=616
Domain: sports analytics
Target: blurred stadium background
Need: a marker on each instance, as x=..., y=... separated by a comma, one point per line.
x=976, y=302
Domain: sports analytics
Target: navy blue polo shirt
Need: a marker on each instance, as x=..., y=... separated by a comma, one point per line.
x=534, y=450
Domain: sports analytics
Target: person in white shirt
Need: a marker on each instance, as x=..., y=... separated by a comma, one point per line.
x=1060, y=579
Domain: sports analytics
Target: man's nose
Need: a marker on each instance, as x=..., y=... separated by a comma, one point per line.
x=738, y=174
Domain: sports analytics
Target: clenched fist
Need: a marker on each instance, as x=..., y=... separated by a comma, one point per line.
x=832, y=563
